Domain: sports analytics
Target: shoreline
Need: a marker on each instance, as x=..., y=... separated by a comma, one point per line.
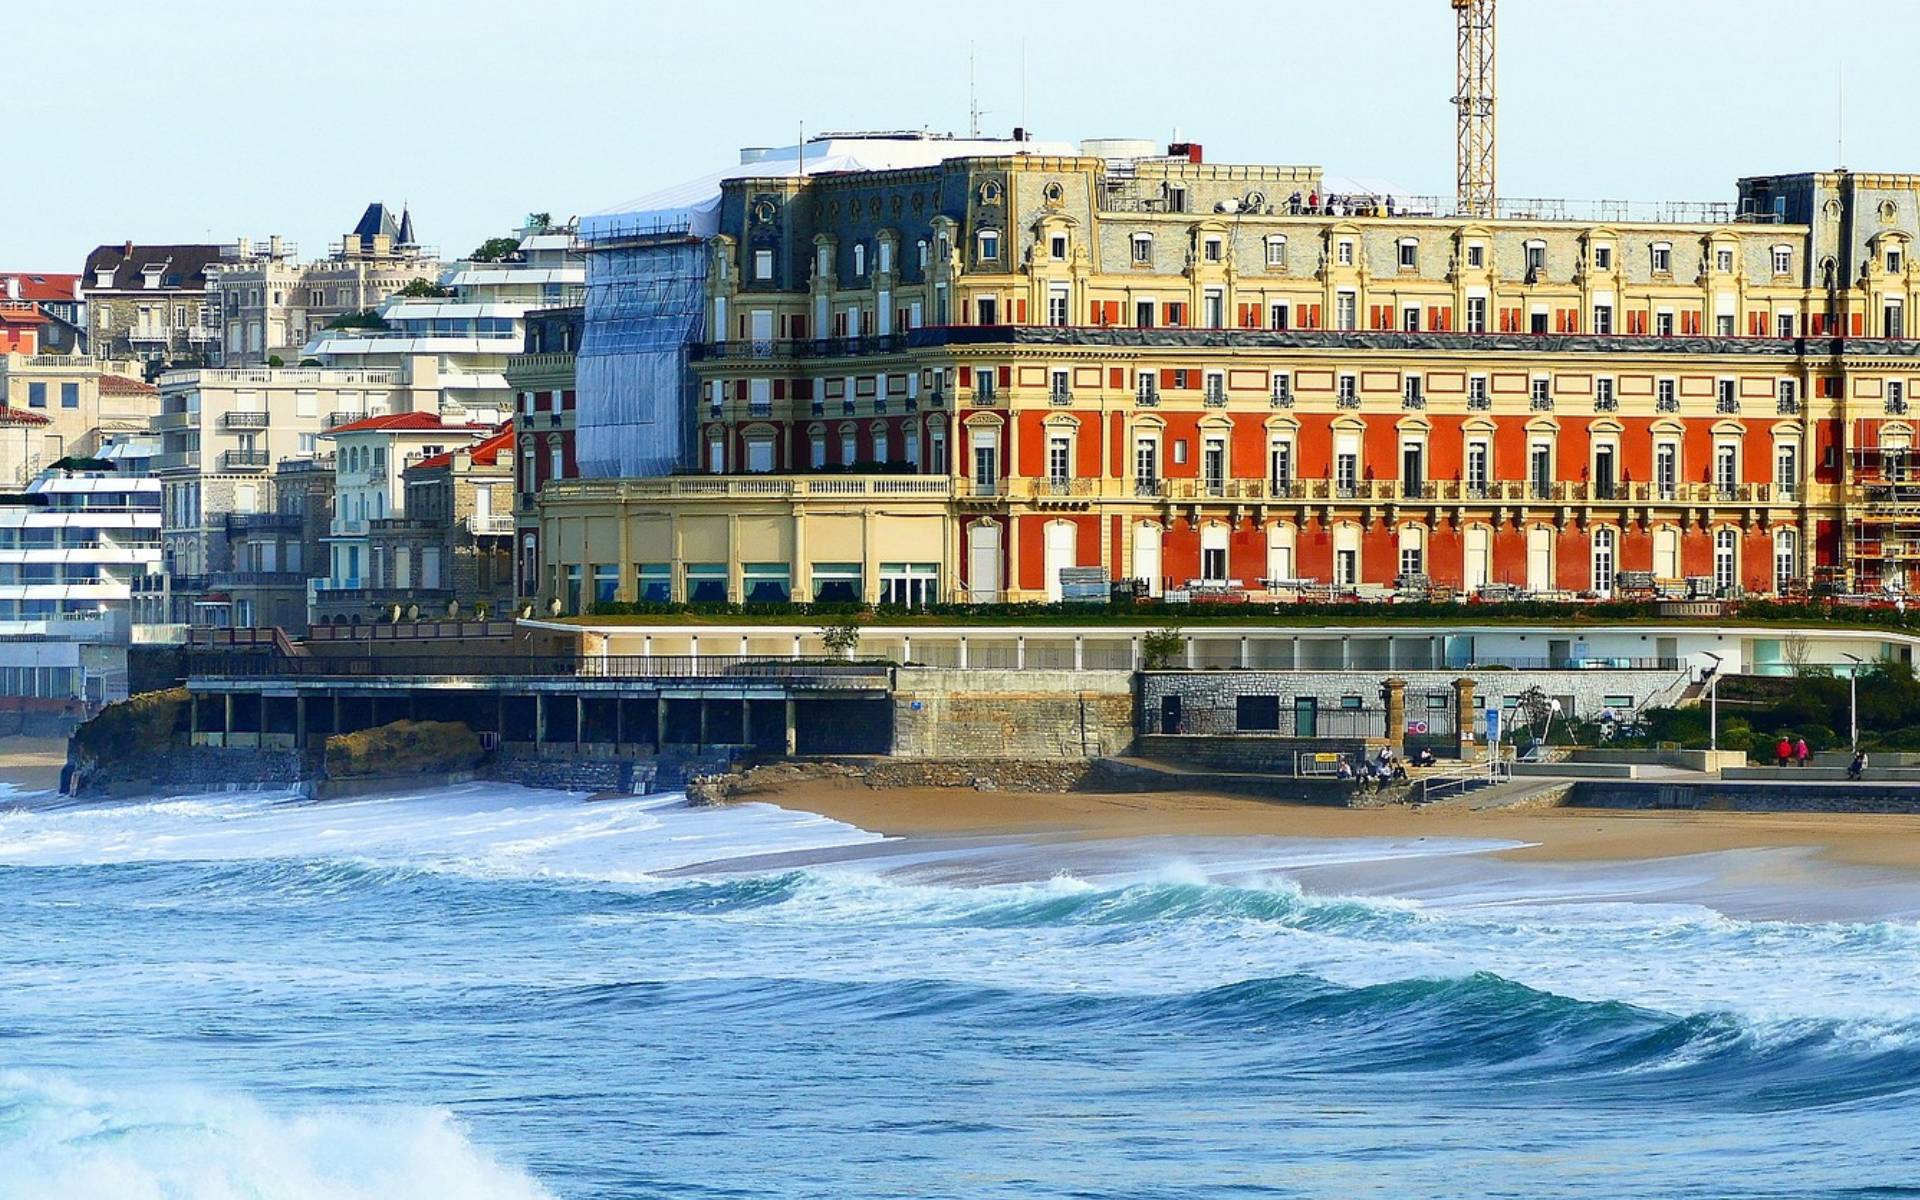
x=32, y=764
x=1549, y=835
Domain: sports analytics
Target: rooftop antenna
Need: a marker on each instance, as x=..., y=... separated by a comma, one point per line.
x=973, y=97
x=800, y=149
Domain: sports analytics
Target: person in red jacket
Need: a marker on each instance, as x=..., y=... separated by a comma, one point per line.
x=1784, y=751
x=1802, y=752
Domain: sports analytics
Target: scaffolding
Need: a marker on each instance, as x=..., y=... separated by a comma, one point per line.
x=1883, y=526
x=646, y=288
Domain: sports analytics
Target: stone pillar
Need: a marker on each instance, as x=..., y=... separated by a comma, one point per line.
x=1246, y=654
x=579, y=721
x=193, y=719
x=1463, y=717
x=746, y=721
x=539, y=720
x=792, y=730
x=700, y=738
x=1020, y=652
x=961, y=655
x=619, y=721
x=226, y=733
x=336, y=713
x=1397, y=714
x=262, y=734
x=300, y=722
x=1079, y=653
x=659, y=724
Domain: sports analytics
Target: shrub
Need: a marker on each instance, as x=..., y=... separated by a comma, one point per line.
x=140, y=724
x=403, y=748
x=1161, y=648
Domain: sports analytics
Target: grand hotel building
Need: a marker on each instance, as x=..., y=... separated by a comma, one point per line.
x=952, y=381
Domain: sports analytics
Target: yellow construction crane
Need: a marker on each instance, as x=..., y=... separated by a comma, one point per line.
x=1474, y=155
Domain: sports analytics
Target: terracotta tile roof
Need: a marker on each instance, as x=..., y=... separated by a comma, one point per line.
x=120, y=385
x=39, y=285
x=20, y=416
x=486, y=452
x=418, y=421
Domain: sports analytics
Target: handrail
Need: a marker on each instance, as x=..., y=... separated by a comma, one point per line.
x=1497, y=769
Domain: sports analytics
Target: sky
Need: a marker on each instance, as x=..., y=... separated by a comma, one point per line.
x=196, y=120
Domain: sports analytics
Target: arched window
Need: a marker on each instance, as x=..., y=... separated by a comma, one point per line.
x=860, y=258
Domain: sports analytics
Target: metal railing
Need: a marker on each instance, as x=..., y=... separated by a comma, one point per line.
x=218, y=663
x=244, y=460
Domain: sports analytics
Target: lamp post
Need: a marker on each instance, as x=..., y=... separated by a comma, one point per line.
x=1713, y=701
x=1853, y=702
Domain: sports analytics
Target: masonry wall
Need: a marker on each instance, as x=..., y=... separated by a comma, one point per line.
x=954, y=714
x=1208, y=699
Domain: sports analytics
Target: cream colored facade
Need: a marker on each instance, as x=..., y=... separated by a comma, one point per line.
x=1208, y=377
x=80, y=398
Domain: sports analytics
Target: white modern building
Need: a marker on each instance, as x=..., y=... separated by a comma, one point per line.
x=471, y=333
x=76, y=552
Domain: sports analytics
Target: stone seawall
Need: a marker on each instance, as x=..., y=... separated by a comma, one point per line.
x=1745, y=797
x=940, y=713
x=186, y=769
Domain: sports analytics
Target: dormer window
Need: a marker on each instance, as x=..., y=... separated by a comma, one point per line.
x=1277, y=252
x=1783, y=260
x=989, y=246
x=1662, y=258
x=103, y=277
x=921, y=246
x=1603, y=258
x=1142, y=249
x=1057, y=247
x=150, y=277
x=1476, y=255
x=1896, y=261
x=1409, y=254
x=1210, y=249
x=860, y=255
x=1723, y=260
x=1536, y=257
x=763, y=264
x=1343, y=253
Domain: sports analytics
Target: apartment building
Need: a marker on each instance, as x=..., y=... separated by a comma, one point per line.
x=454, y=545
x=961, y=379
x=69, y=405
x=57, y=298
x=542, y=380
x=74, y=547
x=274, y=552
x=269, y=304
x=372, y=558
x=473, y=331
x=149, y=302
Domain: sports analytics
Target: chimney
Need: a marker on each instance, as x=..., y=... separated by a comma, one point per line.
x=13, y=287
x=1191, y=151
x=126, y=251
x=273, y=246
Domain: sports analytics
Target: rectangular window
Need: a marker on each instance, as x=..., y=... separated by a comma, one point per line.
x=1476, y=314
x=1346, y=310
x=36, y=395
x=1059, y=301
x=1476, y=255
x=1142, y=250
x=1344, y=253
x=1409, y=255
x=1789, y=394
x=1603, y=258
x=69, y=395
x=1349, y=392
x=1783, y=260
x=1663, y=324
x=1057, y=247
x=763, y=264
x=1662, y=259
x=1666, y=396
x=1411, y=395
x=1276, y=252
x=1541, y=396
x=1603, y=397
x=1728, y=397
x=1603, y=319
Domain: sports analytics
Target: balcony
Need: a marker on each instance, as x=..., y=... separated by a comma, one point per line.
x=244, y=460
x=243, y=420
x=267, y=522
x=1147, y=398
x=178, y=460
x=489, y=524
x=1060, y=397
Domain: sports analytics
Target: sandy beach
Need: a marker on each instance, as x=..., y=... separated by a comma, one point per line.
x=32, y=764
x=1552, y=834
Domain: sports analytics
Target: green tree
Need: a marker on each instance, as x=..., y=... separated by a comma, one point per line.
x=1163, y=647
x=495, y=249
x=424, y=289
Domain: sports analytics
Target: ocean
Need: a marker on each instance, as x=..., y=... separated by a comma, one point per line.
x=502, y=994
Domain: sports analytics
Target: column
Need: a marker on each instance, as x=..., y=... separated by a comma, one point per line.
x=226, y=734
x=1079, y=652
x=961, y=658
x=701, y=743
x=619, y=721
x=193, y=718
x=1397, y=714
x=659, y=724
x=539, y=720
x=500, y=715
x=1246, y=656
x=746, y=721
x=262, y=735
x=793, y=741
x=300, y=722
x=1463, y=716
x=336, y=712
x=579, y=721
x=1020, y=652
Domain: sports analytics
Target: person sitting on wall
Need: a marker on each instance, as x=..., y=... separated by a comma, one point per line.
x=1344, y=772
x=1423, y=757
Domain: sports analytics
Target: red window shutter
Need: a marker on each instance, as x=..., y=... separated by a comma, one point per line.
x=966, y=377
x=1316, y=317
x=799, y=327
x=1116, y=378
x=1113, y=312
x=1166, y=378
x=1859, y=324
x=779, y=389
x=1022, y=309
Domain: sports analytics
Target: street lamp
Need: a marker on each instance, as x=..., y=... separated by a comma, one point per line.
x=1853, y=701
x=1713, y=700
